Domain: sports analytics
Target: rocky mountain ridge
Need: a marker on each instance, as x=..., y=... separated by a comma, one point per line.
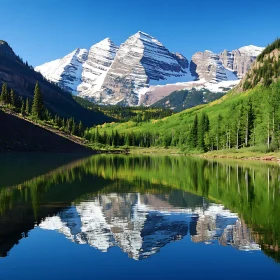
x=107, y=74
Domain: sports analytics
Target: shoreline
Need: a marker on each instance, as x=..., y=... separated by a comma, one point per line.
x=241, y=155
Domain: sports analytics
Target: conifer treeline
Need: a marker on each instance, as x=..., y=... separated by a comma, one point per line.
x=35, y=110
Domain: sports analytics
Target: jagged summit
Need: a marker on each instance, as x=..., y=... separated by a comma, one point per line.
x=146, y=37
x=106, y=41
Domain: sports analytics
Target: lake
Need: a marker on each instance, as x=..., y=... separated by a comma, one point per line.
x=138, y=217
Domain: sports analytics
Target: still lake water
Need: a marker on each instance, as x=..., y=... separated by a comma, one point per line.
x=138, y=217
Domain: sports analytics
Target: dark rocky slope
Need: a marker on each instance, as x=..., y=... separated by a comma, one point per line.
x=19, y=135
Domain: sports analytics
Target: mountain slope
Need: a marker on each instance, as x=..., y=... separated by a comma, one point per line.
x=20, y=135
x=265, y=70
x=22, y=79
x=100, y=58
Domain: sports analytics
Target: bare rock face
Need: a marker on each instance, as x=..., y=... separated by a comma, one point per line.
x=240, y=61
x=226, y=66
x=207, y=65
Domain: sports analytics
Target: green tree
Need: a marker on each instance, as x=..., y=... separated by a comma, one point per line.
x=12, y=98
x=22, y=107
x=4, y=94
x=81, y=129
x=27, y=107
x=38, y=103
x=203, y=129
x=193, y=137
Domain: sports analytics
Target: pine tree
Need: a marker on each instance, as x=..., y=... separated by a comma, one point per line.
x=250, y=119
x=203, y=129
x=22, y=107
x=27, y=107
x=4, y=94
x=193, y=137
x=218, y=131
x=97, y=136
x=12, y=98
x=81, y=129
x=38, y=103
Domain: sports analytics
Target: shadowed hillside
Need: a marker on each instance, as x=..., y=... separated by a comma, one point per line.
x=20, y=135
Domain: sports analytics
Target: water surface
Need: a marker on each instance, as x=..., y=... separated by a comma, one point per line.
x=135, y=217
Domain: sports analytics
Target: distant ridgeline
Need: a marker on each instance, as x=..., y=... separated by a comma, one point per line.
x=239, y=119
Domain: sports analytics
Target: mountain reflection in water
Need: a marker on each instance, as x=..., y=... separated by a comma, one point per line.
x=141, y=224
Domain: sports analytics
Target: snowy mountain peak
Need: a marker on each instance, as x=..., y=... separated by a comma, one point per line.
x=66, y=71
x=251, y=50
x=147, y=38
x=105, y=42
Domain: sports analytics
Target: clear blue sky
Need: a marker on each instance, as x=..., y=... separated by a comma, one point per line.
x=43, y=30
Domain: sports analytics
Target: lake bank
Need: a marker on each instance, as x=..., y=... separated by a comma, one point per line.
x=242, y=154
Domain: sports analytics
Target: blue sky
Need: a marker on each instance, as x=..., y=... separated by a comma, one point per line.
x=43, y=30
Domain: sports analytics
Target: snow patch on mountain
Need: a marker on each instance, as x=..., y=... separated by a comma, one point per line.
x=66, y=72
x=251, y=50
x=95, y=68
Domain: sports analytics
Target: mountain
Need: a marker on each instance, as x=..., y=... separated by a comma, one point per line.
x=22, y=78
x=140, y=61
x=128, y=75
